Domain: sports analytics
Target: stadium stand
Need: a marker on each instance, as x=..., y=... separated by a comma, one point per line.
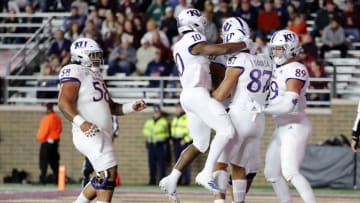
x=21, y=72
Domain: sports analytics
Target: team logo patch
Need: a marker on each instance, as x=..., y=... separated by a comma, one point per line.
x=294, y=101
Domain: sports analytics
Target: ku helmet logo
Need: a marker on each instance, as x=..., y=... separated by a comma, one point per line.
x=290, y=37
x=80, y=44
x=194, y=12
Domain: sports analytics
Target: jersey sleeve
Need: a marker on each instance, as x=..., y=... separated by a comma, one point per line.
x=70, y=73
x=298, y=71
x=237, y=61
x=194, y=38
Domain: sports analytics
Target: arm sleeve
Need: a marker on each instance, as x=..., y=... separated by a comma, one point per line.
x=286, y=105
x=356, y=127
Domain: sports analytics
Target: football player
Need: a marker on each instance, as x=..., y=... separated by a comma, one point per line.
x=86, y=102
x=287, y=103
x=355, y=142
x=246, y=80
x=204, y=113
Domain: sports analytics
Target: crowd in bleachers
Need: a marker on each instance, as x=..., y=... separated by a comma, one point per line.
x=137, y=35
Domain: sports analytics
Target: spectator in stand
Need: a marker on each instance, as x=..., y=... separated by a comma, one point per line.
x=60, y=47
x=182, y=5
x=212, y=34
x=109, y=25
x=144, y=55
x=309, y=46
x=55, y=64
x=306, y=58
x=54, y=6
x=113, y=39
x=169, y=25
x=156, y=68
x=46, y=70
x=281, y=9
x=323, y=17
x=350, y=21
x=299, y=6
x=317, y=70
x=48, y=135
x=125, y=6
x=95, y=18
x=209, y=12
x=74, y=17
x=130, y=31
x=298, y=25
x=74, y=32
x=223, y=12
x=198, y=4
x=90, y=27
x=268, y=20
x=261, y=45
x=29, y=9
x=83, y=7
x=12, y=29
x=103, y=6
x=156, y=10
x=247, y=12
x=333, y=38
x=139, y=25
x=152, y=30
x=123, y=58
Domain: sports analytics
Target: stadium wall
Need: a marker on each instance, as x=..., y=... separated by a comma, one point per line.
x=19, y=148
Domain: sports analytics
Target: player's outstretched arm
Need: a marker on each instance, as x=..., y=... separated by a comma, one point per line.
x=219, y=49
x=122, y=109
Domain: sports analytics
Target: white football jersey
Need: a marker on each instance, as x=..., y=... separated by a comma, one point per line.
x=280, y=76
x=218, y=59
x=193, y=69
x=254, y=81
x=93, y=98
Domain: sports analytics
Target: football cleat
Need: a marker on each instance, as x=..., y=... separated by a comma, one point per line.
x=169, y=186
x=206, y=181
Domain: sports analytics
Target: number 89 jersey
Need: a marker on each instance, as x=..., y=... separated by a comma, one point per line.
x=93, y=97
x=280, y=76
x=193, y=70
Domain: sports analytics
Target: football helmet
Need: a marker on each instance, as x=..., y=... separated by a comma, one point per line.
x=191, y=19
x=288, y=41
x=87, y=52
x=235, y=25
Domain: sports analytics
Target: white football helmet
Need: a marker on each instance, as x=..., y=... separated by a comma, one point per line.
x=191, y=19
x=87, y=52
x=234, y=29
x=288, y=41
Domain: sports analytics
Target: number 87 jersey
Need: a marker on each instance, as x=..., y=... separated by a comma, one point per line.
x=254, y=80
x=280, y=75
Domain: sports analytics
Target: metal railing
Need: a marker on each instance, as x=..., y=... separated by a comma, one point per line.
x=124, y=89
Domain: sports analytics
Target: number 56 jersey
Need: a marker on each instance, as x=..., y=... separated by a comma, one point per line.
x=193, y=70
x=93, y=96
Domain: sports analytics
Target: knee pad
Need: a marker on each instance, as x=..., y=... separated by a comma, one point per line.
x=222, y=179
x=101, y=181
x=271, y=176
x=202, y=147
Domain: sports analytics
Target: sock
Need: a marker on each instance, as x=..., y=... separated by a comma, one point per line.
x=221, y=180
x=101, y=202
x=216, y=148
x=175, y=174
x=304, y=189
x=82, y=199
x=239, y=190
x=282, y=190
x=219, y=201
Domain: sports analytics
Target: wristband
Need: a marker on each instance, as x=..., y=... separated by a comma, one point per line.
x=78, y=120
x=127, y=108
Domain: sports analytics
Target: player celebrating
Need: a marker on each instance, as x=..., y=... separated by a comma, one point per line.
x=355, y=142
x=246, y=80
x=203, y=111
x=86, y=102
x=287, y=103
